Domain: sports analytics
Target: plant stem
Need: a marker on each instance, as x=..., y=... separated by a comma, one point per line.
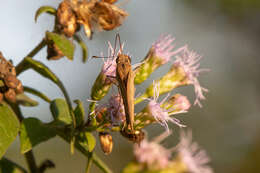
x=30, y=159
x=41, y=45
x=90, y=160
x=29, y=156
x=96, y=160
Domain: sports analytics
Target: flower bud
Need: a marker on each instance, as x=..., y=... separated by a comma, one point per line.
x=159, y=54
x=10, y=95
x=11, y=81
x=66, y=19
x=19, y=88
x=103, y=82
x=100, y=87
x=184, y=71
x=177, y=104
x=53, y=52
x=106, y=142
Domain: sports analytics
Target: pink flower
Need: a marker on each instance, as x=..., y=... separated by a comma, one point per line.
x=160, y=114
x=152, y=154
x=164, y=48
x=194, y=158
x=116, y=109
x=189, y=61
x=109, y=67
x=181, y=102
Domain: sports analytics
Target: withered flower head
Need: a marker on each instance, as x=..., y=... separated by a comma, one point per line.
x=102, y=14
x=106, y=142
x=66, y=21
x=9, y=84
x=53, y=52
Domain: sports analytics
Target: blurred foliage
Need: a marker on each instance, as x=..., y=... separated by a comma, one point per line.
x=234, y=8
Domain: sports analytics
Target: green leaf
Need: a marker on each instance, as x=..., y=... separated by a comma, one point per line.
x=44, y=9
x=60, y=112
x=9, y=127
x=25, y=100
x=87, y=141
x=8, y=166
x=84, y=48
x=79, y=113
x=63, y=44
x=36, y=93
x=40, y=68
x=46, y=72
x=33, y=132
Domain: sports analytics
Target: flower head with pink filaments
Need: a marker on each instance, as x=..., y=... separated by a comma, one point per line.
x=164, y=49
x=116, y=109
x=194, y=158
x=152, y=154
x=109, y=67
x=160, y=114
x=189, y=61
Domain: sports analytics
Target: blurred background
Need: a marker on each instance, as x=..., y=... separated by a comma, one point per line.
x=225, y=32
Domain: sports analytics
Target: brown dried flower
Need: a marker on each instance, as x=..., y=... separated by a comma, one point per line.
x=102, y=14
x=53, y=52
x=66, y=22
x=9, y=84
x=106, y=142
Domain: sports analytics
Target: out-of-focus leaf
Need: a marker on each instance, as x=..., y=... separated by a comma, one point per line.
x=40, y=68
x=46, y=72
x=87, y=141
x=60, y=112
x=9, y=127
x=84, y=48
x=33, y=132
x=36, y=93
x=44, y=9
x=25, y=100
x=79, y=113
x=8, y=166
x=64, y=45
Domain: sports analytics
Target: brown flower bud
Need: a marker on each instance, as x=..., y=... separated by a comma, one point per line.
x=10, y=95
x=11, y=81
x=66, y=19
x=106, y=142
x=6, y=67
x=53, y=53
x=19, y=88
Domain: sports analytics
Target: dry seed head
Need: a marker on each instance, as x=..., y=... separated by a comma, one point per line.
x=100, y=14
x=66, y=19
x=106, y=142
x=9, y=84
x=10, y=95
x=53, y=52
